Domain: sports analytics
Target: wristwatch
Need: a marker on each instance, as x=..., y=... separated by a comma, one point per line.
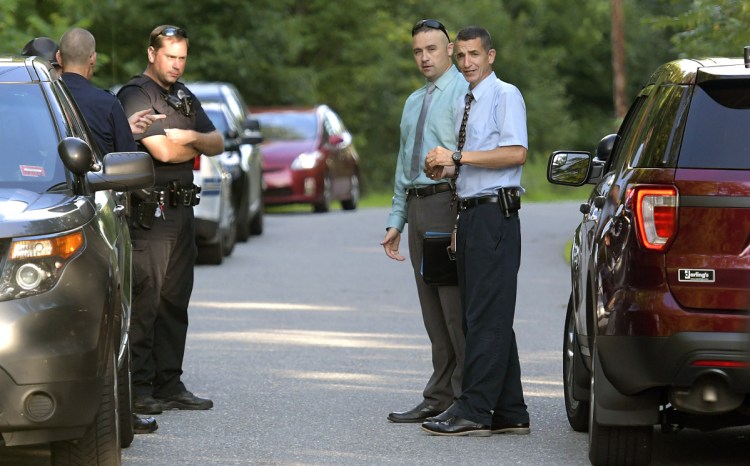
x=457, y=158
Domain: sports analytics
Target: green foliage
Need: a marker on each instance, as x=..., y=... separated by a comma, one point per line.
x=355, y=56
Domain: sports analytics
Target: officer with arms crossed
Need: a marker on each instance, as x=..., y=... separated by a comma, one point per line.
x=492, y=131
x=427, y=121
x=163, y=227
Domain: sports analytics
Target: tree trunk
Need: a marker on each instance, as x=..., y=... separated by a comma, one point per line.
x=618, y=60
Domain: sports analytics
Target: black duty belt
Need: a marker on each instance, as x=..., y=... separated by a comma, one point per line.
x=509, y=201
x=428, y=190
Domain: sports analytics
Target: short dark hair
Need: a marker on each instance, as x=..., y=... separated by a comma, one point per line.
x=156, y=38
x=476, y=32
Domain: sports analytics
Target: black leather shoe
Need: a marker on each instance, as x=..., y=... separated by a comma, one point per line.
x=146, y=404
x=144, y=425
x=444, y=416
x=457, y=426
x=417, y=414
x=185, y=400
x=499, y=427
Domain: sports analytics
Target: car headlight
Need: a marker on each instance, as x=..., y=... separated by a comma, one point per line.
x=33, y=266
x=306, y=161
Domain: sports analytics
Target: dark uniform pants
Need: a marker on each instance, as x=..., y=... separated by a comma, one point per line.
x=441, y=306
x=163, y=262
x=489, y=256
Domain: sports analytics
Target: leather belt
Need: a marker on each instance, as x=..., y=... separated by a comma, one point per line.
x=508, y=199
x=428, y=190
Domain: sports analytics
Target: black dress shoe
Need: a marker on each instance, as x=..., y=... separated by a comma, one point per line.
x=185, y=400
x=145, y=425
x=457, y=426
x=499, y=427
x=417, y=414
x=146, y=404
x=444, y=416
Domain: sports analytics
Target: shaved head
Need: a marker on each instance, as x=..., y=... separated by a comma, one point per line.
x=77, y=46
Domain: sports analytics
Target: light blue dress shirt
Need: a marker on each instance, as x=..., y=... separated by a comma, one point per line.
x=439, y=130
x=497, y=118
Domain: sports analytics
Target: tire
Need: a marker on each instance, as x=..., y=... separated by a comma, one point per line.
x=100, y=445
x=212, y=254
x=615, y=445
x=242, y=211
x=230, y=234
x=354, y=194
x=125, y=401
x=325, y=203
x=256, y=224
x=577, y=411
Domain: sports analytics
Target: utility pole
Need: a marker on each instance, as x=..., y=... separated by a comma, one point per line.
x=618, y=60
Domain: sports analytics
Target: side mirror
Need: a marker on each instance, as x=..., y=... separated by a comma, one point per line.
x=569, y=168
x=251, y=133
x=76, y=155
x=231, y=141
x=124, y=171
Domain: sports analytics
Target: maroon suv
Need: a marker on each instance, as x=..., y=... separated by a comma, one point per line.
x=656, y=328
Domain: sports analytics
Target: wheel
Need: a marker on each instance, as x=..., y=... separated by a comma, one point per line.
x=325, y=203
x=242, y=210
x=256, y=224
x=125, y=401
x=354, y=194
x=615, y=445
x=100, y=445
x=212, y=254
x=577, y=411
x=230, y=233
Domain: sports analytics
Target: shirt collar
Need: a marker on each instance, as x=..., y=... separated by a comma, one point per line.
x=483, y=87
x=445, y=79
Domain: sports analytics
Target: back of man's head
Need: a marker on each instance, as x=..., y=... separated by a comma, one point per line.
x=77, y=48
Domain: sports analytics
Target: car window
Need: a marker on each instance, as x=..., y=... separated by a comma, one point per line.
x=29, y=158
x=628, y=132
x=287, y=126
x=652, y=148
x=717, y=123
x=218, y=118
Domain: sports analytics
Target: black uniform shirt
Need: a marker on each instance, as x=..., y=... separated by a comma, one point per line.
x=142, y=92
x=103, y=113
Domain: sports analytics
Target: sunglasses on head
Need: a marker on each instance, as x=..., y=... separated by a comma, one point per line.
x=431, y=24
x=170, y=31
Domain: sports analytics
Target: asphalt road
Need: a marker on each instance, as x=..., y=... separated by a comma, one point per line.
x=307, y=336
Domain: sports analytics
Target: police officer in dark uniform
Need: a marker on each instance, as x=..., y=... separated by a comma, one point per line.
x=103, y=113
x=163, y=226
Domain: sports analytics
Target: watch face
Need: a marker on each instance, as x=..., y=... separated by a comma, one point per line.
x=456, y=156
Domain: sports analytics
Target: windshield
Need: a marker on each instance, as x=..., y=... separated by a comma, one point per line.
x=287, y=126
x=716, y=126
x=28, y=140
x=218, y=119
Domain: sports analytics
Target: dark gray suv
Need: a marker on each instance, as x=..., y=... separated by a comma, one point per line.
x=65, y=273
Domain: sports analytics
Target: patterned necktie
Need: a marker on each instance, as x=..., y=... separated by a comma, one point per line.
x=461, y=140
x=416, y=155
x=462, y=132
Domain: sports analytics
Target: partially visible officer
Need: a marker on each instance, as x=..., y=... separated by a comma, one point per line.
x=103, y=114
x=428, y=121
x=163, y=229
x=43, y=47
x=493, y=137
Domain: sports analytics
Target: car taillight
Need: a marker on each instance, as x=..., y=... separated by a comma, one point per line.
x=197, y=163
x=655, y=210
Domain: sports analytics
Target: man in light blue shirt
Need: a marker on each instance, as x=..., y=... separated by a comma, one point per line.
x=425, y=204
x=492, y=122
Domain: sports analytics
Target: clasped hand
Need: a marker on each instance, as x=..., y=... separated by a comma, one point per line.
x=439, y=164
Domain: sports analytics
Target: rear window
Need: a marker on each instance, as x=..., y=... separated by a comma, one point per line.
x=717, y=126
x=28, y=140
